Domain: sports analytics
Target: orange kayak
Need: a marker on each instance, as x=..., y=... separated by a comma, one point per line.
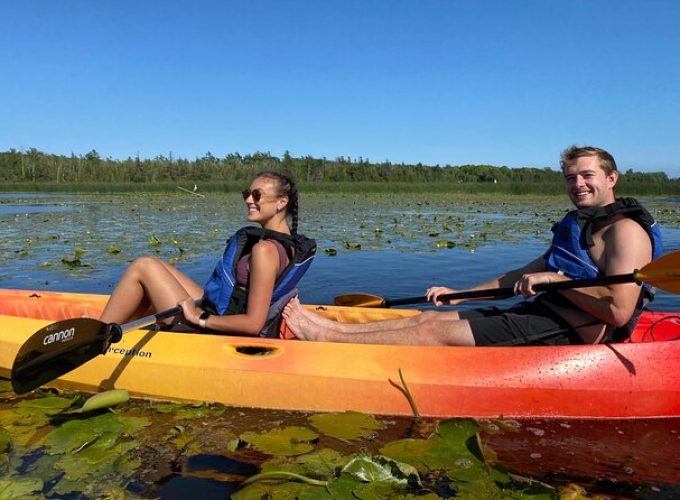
x=630, y=380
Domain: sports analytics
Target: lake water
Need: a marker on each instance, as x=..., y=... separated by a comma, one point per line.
x=83, y=243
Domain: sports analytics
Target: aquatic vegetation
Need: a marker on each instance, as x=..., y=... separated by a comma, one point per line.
x=346, y=426
x=47, y=450
x=81, y=235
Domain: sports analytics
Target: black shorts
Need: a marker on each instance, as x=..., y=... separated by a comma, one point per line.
x=528, y=323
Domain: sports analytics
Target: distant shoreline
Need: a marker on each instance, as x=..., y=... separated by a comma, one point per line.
x=184, y=188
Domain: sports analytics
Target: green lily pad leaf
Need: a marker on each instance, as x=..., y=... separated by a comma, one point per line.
x=445, y=244
x=319, y=463
x=190, y=412
x=96, y=460
x=343, y=486
x=290, y=441
x=78, y=252
x=446, y=449
x=23, y=417
x=47, y=263
x=185, y=441
x=168, y=407
x=20, y=488
x=154, y=241
x=331, y=252
x=104, y=399
x=413, y=451
x=176, y=432
x=349, y=425
x=350, y=245
x=23, y=423
x=69, y=437
x=281, y=491
x=381, y=469
x=71, y=262
x=113, y=250
x=76, y=434
x=131, y=425
x=378, y=490
x=4, y=440
x=433, y=234
x=49, y=405
x=482, y=488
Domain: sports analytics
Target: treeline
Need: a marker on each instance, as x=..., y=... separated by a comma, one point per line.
x=36, y=167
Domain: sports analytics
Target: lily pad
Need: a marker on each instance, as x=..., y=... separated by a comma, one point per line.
x=445, y=244
x=290, y=441
x=71, y=262
x=282, y=491
x=98, y=459
x=20, y=488
x=318, y=463
x=447, y=449
x=4, y=440
x=349, y=425
x=76, y=434
x=190, y=412
x=381, y=469
x=104, y=399
x=23, y=423
x=50, y=405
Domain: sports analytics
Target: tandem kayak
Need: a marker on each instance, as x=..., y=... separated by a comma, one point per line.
x=635, y=379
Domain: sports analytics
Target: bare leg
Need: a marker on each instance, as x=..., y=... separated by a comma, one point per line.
x=374, y=326
x=428, y=328
x=148, y=283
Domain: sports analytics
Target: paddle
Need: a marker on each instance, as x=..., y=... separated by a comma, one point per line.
x=63, y=346
x=663, y=273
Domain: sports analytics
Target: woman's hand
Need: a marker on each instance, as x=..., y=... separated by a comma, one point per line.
x=190, y=311
x=435, y=292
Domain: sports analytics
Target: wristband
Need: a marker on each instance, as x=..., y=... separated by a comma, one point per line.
x=203, y=318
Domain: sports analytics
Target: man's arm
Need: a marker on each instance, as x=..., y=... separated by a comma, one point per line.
x=627, y=247
x=624, y=247
x=507, y=279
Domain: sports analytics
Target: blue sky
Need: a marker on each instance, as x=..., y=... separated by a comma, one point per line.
x=438, y=82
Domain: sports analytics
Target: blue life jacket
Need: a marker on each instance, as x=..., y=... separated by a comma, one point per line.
x=572, y=237
x=220, y=292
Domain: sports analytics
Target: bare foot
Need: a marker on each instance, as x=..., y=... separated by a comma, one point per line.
x=299, y=323
x=315, y=317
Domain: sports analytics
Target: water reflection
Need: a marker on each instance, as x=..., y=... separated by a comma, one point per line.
x=641, y=451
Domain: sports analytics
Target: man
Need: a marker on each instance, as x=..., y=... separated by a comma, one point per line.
x=603, y=236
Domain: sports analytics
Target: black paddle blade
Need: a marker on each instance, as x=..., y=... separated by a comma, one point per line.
x=57, y=349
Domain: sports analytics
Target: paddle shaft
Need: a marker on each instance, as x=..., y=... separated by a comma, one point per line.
x=509, y=291
x=149, y=320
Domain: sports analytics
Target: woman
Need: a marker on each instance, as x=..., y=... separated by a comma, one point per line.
x=251, y=283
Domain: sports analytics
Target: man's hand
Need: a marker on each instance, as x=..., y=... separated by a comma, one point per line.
x=525, y=285
x=435, y=292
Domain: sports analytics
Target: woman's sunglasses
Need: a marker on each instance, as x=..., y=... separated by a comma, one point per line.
x=255, y=193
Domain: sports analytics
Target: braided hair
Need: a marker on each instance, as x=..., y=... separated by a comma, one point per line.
x=286, y=187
